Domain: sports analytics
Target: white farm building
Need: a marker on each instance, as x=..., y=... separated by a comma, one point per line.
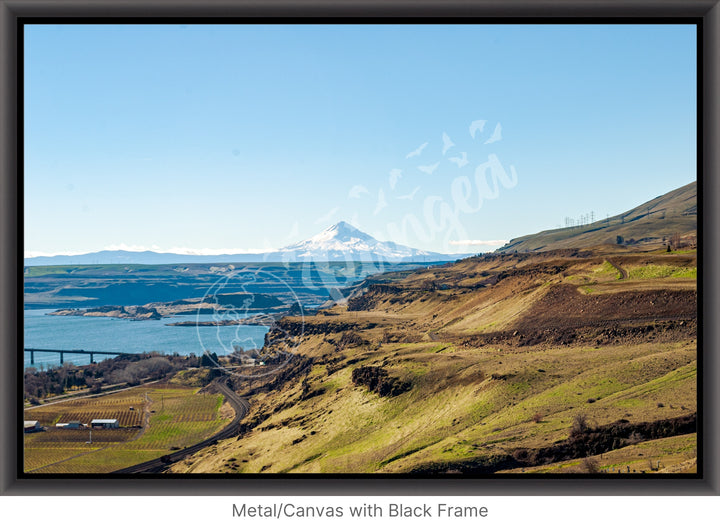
x=69, y=425
x=32, y=426
x=104, y=423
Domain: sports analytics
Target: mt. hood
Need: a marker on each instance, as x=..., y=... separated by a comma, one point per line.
x=342, y=242
x=339, y=242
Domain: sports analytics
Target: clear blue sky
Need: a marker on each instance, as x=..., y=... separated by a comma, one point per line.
x=254, y=137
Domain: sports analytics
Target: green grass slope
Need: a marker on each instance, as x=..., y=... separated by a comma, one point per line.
x=488, y=379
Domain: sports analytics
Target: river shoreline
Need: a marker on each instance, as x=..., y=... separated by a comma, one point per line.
x=221, y=304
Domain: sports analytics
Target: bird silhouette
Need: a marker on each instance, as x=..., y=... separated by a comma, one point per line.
x=447, y=143
x=417, y=151
x=395, y=176
x=460, y=161
x=381, y=203
x=496, y=136
x=357, y=191
x=409, y=196
x=477, y=125
x=429, y=169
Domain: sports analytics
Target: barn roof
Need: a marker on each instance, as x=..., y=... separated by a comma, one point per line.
x=104, y=421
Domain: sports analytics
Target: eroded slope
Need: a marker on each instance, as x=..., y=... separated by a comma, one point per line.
x=477, y=365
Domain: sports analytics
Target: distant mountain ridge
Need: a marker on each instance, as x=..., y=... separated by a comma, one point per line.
x=653, y=222
x=342, y=240
x=339, y=242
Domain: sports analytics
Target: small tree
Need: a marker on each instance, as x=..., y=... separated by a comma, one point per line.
x=591, y=465
x=580, y=425
x=209, y=360
x=676, y=241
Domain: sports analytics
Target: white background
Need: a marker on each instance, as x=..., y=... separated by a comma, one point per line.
x=198, y=513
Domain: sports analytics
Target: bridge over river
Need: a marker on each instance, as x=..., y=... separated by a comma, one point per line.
x=62, y=352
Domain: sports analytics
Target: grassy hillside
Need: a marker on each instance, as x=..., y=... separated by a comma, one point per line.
x=652, y=223
x=548, y=362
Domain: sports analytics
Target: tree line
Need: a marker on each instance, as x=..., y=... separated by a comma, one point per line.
x=130, y=369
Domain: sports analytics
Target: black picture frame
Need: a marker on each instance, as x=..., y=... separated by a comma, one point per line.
x=14, y=13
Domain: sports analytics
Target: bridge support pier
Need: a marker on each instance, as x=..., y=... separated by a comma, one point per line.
x=32, y=358
x=62, y=358
x=91, y=359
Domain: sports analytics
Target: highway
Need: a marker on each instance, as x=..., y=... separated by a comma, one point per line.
x=241, y=407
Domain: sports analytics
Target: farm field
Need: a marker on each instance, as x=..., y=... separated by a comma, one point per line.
x=164, y=418
x=117, y=406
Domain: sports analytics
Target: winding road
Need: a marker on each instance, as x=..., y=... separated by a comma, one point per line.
x=614, y=264
x=241, y=407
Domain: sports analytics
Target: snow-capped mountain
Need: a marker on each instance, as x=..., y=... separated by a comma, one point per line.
x=342, y=241
x=339, y=242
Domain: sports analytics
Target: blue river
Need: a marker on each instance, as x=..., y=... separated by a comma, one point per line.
x=126, y=336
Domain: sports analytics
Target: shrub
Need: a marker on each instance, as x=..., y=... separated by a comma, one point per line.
x=377, y=380
x=591, y=465
x=635, y=437
x=580, y=425
x=351, y=339
x=537, y=417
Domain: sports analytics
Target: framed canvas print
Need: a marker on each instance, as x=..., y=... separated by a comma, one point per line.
x=348, y=249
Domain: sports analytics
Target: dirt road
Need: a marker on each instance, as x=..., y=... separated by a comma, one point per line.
x=623, y=272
